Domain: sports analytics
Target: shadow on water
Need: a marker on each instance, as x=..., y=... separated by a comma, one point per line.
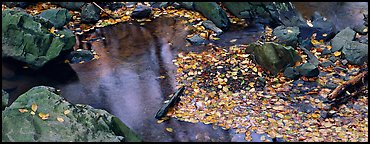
x=126, y=79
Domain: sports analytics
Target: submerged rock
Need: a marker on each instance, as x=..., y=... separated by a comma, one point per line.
x=342, y=38
x=90, y=13
x=210, y=25
x=5, y=99
x=141, y=11
x=58, y=17
x=56, y=120
x=27, y=38
x=308, y=70
x=287, y=35
x=213, y=12
x=196, y=40
x=274, y=57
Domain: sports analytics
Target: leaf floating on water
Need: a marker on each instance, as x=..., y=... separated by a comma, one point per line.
x=22, y=110
x=169, y=129
x=34, y=107
x=43, y=116
x=60, y=119
x=233, y=40
x=66, y=112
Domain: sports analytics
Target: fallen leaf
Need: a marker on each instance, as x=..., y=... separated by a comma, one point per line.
x=233, y=40
x=66, y=112
x=169, y=129
x=33, y=113
x=60, y=119
x=22, y=110
x=34, y=107
x=43, y=116
x=337, y=53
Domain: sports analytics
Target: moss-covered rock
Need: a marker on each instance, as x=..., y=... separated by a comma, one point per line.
x=63, y=121
x=28, y=39
x=213, y=12
x=5, y=99
x=58, y=17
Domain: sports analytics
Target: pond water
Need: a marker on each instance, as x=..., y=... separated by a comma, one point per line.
x=126, y=79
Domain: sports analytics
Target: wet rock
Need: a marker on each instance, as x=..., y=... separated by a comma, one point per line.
x=172, y=101
x=342, y=38
x=274, y=57
x=5, y=99
x=187, y=5
x=325, y=30
x=275, y=13
x=90, y=13
x=363, y=39
x=17, y=4
x=308, y=70
x=196, y=40
x=63, y=121
x=27, y=38
x=58, y=17
x=287, y=35
x=70, y=5
x=331, y=85
x=355, y=52
x=161, y=4
x=80, y=56
x=333, y=58
x=213, y=12
x=115, y=5
x=210, y=25
x=361, y=29
x=326, y=64
x=325, y=52
x=338, y=69
x=141, y=11
x=366, y=19
x=291, y=73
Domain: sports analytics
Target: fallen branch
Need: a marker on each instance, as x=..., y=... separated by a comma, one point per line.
x=174, y=99
x=342, y=88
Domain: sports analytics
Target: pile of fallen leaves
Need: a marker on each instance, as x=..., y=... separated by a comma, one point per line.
x=222, y=88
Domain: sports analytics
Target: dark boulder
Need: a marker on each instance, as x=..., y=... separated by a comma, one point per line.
x=130, y=4
x=141, y=11
x=287, y=35
x=80, y=55
x=342, y=38
x=308, y=70
x=56, y=120
x=27, y=38
x=58, y=17
x=210, y=25
x=274, y=57
x=90, y=13
x=355, y=52
x=325, y=30
x=213, y=12
x=291, y=73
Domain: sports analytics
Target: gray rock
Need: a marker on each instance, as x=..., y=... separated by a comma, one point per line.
x=274, y=57
x=325, y=52
x=360, y=29
x=355, y=52
x=363, y=39
x=333, y=58
x=70, y=5
x=79, y=56
x=66, y=122
x=210, y=25
x=344, y=36
x=171, y=102
x=344, y=62
x=90, y=13
x=5, y=99
x=141, y=11
x=213, y=12
x=291, y=73
x=287, y=35
x=58, y=17
x=196, y=40
x=308, y=70
x=187, y=5
x=27, y=39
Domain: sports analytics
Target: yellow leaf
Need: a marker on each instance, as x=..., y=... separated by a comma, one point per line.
x=34, y=107
x=254, y=69
x=60, y=119
x=66, y=112
x=233, y=40
x=169, y=129
x=43, y=116
x=324, y=35
x=33, y=113
x=52, y=30
x=22, y=110
x=337, y=53
x=290, y=31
